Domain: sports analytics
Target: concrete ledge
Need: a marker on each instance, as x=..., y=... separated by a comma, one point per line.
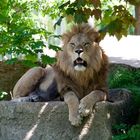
x=49, y=121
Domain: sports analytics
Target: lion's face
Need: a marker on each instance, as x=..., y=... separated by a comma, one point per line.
x=80, y=50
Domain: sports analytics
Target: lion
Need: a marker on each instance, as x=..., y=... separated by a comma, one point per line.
x=79, y=76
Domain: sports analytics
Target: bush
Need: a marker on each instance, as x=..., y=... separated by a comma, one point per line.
x=126, y=77
x=127, y=133
x=122, y=76
x=3, y=95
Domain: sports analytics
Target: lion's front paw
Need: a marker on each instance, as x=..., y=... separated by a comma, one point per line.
x=85, y=107
x=75, y=121
x=84, y=110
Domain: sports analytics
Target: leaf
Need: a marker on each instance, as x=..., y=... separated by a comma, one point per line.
x=97, y=13
x=33, y=58
x=3, y=95
x=87, y=11
x=29, y=63
x=70, y=10
x=38, y=51
x=80, y=17
x=80, y=3
x=11, y=61
x=134, y=132
x=118, y=35
x=37, y=44
x=64, y=5
x=47, y=59
x=69, y=18
x=3, y=19
x=96, y=3
x=54, y=47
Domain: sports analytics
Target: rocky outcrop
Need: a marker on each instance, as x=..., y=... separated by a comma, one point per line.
x=49, y=120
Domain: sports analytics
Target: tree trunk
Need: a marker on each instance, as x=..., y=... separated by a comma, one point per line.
x=137, y=15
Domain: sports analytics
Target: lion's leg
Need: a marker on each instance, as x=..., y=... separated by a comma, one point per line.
x=87, y=103
x=28, y=82
x=73, y=104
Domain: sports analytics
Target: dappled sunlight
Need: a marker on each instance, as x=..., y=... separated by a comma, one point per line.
x=108, y=116
x=86, y=127
x=32, y=130
x=42, y=110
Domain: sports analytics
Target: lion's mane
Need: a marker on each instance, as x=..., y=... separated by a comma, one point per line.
x=99, y=60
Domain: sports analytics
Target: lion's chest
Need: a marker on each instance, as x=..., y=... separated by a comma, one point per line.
x=81, y=86
x=83, y=90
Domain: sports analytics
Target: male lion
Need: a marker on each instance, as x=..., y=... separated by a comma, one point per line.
x=79, y=75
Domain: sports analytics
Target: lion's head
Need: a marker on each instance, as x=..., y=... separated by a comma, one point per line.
x=80, y=52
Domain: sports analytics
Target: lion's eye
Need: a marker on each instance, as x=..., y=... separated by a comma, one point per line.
x=72, y=44
x=87, y=44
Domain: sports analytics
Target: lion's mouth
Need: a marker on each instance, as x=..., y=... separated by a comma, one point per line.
x=80, y=62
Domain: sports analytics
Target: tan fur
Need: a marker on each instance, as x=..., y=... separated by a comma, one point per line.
x=87, y=103
x=28, y=81
x=73, y=104
x=48, y=79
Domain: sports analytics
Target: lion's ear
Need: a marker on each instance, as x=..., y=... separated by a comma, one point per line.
x=65, y=38
x=94, y=36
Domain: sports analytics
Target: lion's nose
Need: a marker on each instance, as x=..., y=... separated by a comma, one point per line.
x=79, y=51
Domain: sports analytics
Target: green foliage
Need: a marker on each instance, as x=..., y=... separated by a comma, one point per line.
x=18, y=26
x=80, y=10
x=114, y=19
x=3, y=95
x=129, y=78
x=47, y=59
x=125, y=132
x=50, y=8
x=123, y=77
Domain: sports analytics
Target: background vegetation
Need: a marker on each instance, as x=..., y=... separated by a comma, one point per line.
x=126, y=77
x=123, y=76
x=27, y=27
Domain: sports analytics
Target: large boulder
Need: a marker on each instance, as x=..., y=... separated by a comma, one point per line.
x=49, y=120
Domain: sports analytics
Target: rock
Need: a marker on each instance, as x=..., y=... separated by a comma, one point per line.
x=9, y=74
x=49, y=120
